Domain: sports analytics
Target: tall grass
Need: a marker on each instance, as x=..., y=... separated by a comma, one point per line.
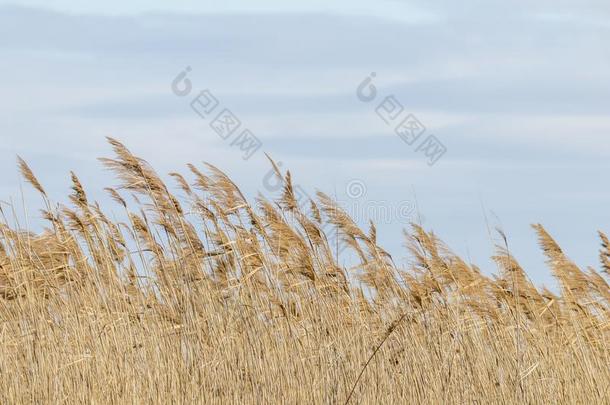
x=210, y=298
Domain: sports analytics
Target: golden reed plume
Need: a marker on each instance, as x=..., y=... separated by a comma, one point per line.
x=208, y=297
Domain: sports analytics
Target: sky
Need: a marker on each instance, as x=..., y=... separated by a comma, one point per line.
x=516, y=92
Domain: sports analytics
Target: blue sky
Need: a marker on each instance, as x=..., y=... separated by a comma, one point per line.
x=518, y=93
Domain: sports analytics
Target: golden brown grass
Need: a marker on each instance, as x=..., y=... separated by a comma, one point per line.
x=207, y=298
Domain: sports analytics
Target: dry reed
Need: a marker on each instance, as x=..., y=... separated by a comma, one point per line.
x=207, y=298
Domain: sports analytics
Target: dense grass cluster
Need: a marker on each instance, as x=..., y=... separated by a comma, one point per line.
x=209, y=298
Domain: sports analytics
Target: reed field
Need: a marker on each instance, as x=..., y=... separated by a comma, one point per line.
x=197, y=295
